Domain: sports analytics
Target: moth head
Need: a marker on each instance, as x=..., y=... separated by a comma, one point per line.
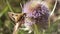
x=15, y=16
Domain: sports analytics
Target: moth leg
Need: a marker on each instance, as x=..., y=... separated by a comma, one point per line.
x=29, y=29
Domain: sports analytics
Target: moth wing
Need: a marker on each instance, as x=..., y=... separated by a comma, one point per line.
x=15, y=16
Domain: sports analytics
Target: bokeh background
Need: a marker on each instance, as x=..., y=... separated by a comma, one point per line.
x=6, y=25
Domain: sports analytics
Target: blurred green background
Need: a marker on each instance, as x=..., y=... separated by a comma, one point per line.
x=6, y=25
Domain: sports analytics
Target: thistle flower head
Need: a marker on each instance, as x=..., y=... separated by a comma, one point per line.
x=38, y=11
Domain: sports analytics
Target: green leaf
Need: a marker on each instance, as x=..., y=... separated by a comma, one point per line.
x=36, y=31
x=3, y=11
x=9, y=5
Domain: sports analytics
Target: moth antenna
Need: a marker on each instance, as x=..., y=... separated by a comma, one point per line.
x=21, y=5
x=53, y=8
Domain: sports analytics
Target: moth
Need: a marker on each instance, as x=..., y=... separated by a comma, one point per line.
x=15, y=16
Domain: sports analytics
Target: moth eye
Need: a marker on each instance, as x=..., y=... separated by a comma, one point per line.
x=24, y=14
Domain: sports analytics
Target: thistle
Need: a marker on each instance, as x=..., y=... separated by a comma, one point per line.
x=35, y=13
